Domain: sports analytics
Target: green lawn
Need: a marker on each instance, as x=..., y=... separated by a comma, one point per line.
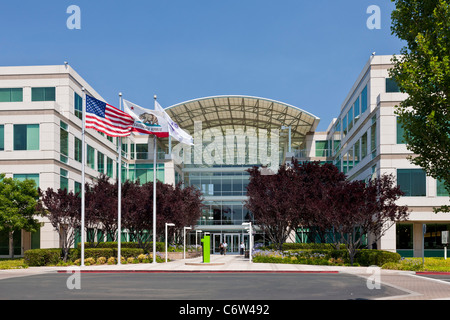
x=17, y=263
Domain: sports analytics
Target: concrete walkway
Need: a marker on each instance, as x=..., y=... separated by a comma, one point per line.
x=414, y=286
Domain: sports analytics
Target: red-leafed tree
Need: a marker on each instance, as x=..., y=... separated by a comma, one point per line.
x=137, y=211
x=354, y=209
x=271, y=199
x=182, y=207
x=312, y=184
x=101, y=209
x=63, y=209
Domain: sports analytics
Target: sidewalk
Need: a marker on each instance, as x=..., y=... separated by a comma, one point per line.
x=414, y=286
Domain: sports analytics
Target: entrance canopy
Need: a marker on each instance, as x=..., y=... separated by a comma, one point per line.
x=232, y=112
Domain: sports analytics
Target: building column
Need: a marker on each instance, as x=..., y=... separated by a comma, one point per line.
x=388, y=241
x=417, y=239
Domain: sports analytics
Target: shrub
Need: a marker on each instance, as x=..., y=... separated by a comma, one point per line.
x=326, y=257
x=131, y=260
x=160, y=246
x=370, y=257
x=101, y=260
x=89, y=261
x=111, y=260
x=42, y=257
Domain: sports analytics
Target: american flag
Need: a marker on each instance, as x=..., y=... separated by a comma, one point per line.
x=107, y=119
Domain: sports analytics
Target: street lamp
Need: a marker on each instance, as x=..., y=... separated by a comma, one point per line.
x=196, y=231
x=184, y=241
x=167, y=225
x=250, y=241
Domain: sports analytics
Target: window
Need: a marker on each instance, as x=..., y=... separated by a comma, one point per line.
x=2, y=137
x=29, y=176
x=364, y=100
x=78, y=106
x=350, y=119
x=63, y=142
x=364, y=146
x=373, y=137
x=141, y=151
x=344, y=125
x=356, y=109
x=90, y=160
x=400, y=133
x=441, y=191
x=43, y=94
x=357, y=152
x=26, y=137
x=404, y=236
x=63, y=179
x=321, y=148
x=77, y=187
x=100, y=162
x=391, y=85
x=412, y=182
x=109, y=167
x=11, y=94
x=78, y=150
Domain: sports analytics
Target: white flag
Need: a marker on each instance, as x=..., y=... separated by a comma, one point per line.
x=174, y=130
x=147, y=121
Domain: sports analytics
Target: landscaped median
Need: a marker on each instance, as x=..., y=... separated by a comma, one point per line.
x=324, y=254
x=329, y=257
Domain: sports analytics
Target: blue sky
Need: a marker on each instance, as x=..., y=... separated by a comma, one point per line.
x=304, y=53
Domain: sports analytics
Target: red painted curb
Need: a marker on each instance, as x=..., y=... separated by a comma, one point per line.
x=191, y=271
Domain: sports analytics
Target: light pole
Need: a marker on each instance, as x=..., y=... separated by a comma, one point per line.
x=184, y=241
x=167, y=225
x=250, y=234
x=196, y=231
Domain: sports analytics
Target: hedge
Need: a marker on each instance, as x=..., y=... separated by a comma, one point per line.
x=46, y=257
x=42, y=257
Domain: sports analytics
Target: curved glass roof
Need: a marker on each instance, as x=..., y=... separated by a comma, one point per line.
x=231, y=112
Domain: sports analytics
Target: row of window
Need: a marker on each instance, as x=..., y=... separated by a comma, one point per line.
x=37, y=94
x=345, y=124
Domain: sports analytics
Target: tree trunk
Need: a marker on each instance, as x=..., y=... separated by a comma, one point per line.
x=11, y=244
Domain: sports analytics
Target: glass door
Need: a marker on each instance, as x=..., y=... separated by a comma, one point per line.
x=233, y=243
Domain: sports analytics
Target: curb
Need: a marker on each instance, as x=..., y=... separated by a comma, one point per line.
x=444, y=273
x=199, y=271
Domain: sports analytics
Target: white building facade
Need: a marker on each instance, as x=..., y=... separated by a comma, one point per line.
x=365, y=141
x=40, y=139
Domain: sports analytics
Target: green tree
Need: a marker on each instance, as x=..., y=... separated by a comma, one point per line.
x=18, y=200
x=423, y=72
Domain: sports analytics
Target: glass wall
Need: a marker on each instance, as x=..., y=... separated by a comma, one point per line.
x=219, y=183
x=224, y=213
x=144, y=172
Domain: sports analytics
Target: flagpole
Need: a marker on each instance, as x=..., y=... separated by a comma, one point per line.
x=119, y=194
x=83, y=164
x=154, y=193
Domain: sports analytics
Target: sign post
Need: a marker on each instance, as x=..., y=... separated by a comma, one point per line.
x=424, y=230
x=444, y=238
